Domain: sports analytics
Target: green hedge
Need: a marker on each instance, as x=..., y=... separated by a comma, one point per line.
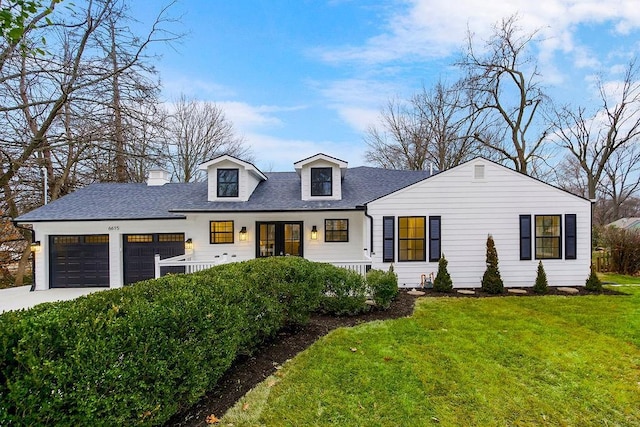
x=344, y=292
x=138, y=355
x=383, y=287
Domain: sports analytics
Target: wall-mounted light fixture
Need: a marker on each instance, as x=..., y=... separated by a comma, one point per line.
x=35, y=246
x=188, y=244
x=243, y=234
x=314, y=233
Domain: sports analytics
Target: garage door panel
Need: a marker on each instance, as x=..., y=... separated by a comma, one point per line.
x=79, y=261
x=140, y=250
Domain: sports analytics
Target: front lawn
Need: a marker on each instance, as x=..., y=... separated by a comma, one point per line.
x=465, y=361
x=619, y=279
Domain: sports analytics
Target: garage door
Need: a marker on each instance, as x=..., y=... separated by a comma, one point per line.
x=79, y=261
x=139, y=252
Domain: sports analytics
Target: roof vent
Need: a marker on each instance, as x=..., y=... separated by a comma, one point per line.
x=158, y=177
x=478, y=172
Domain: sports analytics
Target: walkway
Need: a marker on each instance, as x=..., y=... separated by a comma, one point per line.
x=21, y=297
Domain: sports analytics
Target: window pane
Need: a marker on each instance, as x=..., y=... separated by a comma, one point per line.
x=336, y=230
x=221, y=232
x=227, y=182
x=411, y=238
x=321, y=179
x=548, y=233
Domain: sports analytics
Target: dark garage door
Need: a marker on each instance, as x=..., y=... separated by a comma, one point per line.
x=79, y=261
x=139, y=252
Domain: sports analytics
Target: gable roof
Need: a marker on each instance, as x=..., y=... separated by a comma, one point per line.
x=280, y=192
x=247, y=165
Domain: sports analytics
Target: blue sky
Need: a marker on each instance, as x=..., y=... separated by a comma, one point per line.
x=300, y=77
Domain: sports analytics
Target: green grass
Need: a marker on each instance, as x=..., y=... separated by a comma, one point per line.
x=619, y=279
x=508, y=361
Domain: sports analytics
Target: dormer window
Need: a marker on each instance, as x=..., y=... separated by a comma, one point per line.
x=227, y=182
x=321, y=181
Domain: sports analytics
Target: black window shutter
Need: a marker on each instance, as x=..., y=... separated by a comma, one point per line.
x=388, y=238
x=434, y=239
x=570, y=236
x=525, y=237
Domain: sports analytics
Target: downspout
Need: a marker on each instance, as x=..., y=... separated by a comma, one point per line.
x=366, y=213
x=33, y=255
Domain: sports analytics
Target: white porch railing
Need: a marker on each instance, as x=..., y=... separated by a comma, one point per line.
x=190, y=266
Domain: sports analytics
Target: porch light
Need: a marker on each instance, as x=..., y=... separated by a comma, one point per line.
x=314, y=233
x=188, y=244
x=35, y=246
x=243, y=234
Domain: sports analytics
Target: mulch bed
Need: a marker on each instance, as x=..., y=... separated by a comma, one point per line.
x=248, y=372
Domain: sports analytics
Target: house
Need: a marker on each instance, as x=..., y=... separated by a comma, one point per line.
x=626, y=224
x=107, y=234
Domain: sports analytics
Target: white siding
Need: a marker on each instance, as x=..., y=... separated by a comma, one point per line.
x=316, y=250
x=197, y=227
x=471, y=209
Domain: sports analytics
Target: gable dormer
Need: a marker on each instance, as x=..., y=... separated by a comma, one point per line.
x=230, y=179
x=321, y=177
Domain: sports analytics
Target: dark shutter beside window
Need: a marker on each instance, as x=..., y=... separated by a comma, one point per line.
x=570, y=237
x=525, y=237
x=434, y=238
x=388, y=238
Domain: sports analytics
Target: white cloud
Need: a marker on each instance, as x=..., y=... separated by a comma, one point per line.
x=427, y=29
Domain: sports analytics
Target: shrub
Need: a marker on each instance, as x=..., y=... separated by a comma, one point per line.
x=593, y=282
x=383, y=287
x=138, y=355
x=491, y=280
x=344, y=292
x=443, y=282
x=541, y=286
x=624, y=246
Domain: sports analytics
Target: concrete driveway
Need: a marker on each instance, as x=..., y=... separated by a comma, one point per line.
x=21, y=297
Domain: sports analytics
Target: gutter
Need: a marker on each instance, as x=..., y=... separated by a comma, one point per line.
x=33, y=256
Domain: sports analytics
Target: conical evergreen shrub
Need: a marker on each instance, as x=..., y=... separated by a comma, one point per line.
x=593, y=282
x=491, y=280
x=442, y=282
x=541, y=286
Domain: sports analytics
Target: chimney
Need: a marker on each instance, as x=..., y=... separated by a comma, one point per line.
x=158, y=177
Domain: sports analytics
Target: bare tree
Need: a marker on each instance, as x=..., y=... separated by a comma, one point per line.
x=432, y=129
x=503, y=87
x=196, y=132
x=594, y=139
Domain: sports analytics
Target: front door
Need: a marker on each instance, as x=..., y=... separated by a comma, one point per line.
x=278, y=239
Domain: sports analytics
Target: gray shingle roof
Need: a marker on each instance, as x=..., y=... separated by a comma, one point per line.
x=281, y=192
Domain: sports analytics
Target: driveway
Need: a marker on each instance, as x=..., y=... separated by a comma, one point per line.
x=21, y=297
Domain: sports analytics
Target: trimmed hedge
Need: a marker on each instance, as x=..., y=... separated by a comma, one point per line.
x=383, y=287
x=344, y=292
x=138, y=355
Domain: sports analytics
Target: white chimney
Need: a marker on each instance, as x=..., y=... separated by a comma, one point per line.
x=158, y=177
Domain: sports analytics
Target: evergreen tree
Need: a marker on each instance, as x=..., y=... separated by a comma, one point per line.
x=442, y=282
x=491, y=280
x=541, y=286
x=593, y=282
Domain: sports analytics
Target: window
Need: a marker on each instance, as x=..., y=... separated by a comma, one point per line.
x=434, y=238
x=570, y=237
x=525, y=237
x=548, y=237
x=387, y=239
x=336, y=230
x=321, y=182
x=227, y=182
x=221, y=232
x=411, y=238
